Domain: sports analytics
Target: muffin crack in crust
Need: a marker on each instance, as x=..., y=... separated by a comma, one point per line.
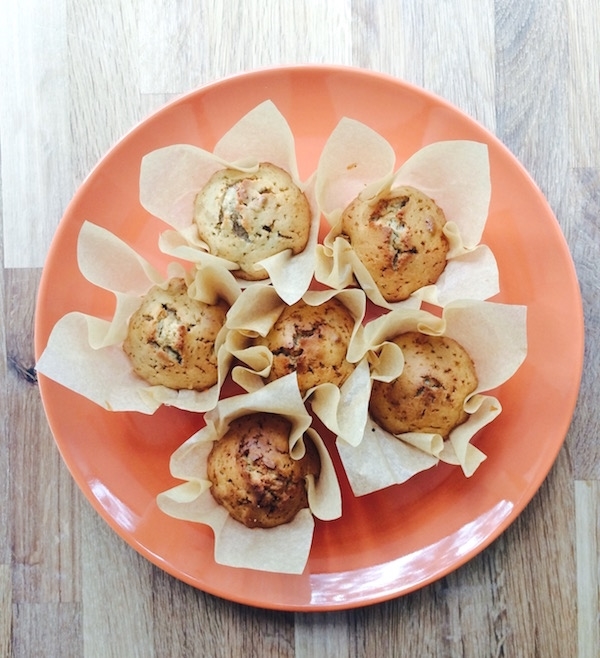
x=238, y=202
x=389, y=214
x=237, y=227
x=169, y=333
x=429, y=384
x=260, y=471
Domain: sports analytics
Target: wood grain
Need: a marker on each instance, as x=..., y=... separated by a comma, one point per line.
x=6, y=608
x=35, y=128
x=587, y=508
x=584, y=238
x=584, y=82
x=195, y=45
x=76, y=76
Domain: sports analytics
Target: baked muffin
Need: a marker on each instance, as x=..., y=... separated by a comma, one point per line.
x=429, y=394
x=399, y=239
x=171, y=338
x=311, y=341
x=246, y=217
x=253, y=475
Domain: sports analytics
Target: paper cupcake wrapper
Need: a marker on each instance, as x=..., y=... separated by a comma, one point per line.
x=494, y=336
x=285, y=548
x=171, y=178
x=80, y=344
x=343, y=409
x=357, y=161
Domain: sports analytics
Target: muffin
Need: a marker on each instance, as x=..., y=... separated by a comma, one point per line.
x=253, y=475
x=311, y=341
x=429, y=394
x=171, y=338
x=399, y=239
x=247, y=217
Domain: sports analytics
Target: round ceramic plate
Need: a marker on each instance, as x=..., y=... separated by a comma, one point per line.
x=388, y=543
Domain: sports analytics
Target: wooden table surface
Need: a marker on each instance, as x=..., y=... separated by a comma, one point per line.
x=76, y=75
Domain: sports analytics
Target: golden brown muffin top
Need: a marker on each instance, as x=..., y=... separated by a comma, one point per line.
x=429, y=394
x=399, y=239
x=313, y=342
x=253, y=474
x=246, y=217
x=171, y=338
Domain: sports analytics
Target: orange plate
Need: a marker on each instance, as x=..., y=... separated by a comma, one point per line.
x=388, y=543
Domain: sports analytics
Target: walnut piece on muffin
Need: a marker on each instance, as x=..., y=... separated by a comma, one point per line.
x=399, y=239
x=171, y=338
x=313, y=342
x=253, y=475
x=429, y=394
x=247, y=217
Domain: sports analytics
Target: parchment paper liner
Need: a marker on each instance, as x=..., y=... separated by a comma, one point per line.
x=357, y=161
x=282, y=549
x=84, y=352
x=172, y=176
x=343, y=409
x=495, y=337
